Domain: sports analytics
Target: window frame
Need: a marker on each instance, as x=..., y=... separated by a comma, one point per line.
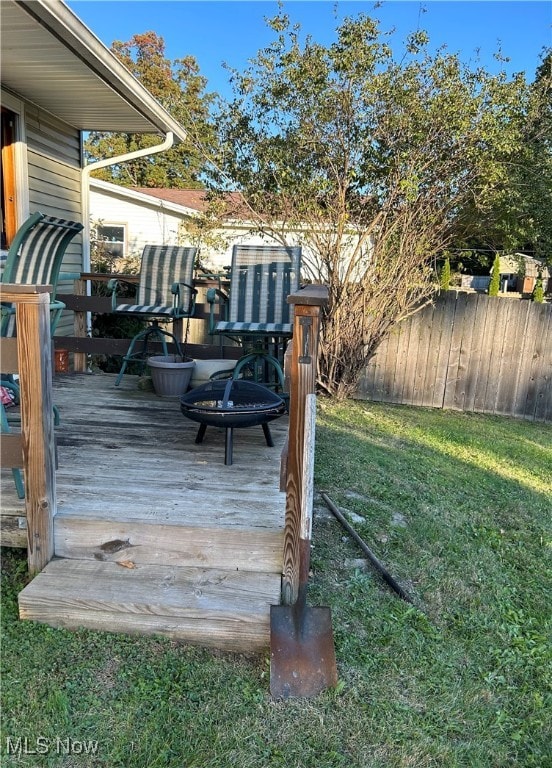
x=106, y=224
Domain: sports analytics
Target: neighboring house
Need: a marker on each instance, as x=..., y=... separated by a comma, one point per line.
x=518, y=273
x=131, y=217
x=59, y=80
x=521, y=272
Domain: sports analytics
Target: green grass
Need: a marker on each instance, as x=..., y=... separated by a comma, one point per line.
x=458, y=508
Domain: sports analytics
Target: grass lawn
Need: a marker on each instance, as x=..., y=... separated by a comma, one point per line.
x=458, y=507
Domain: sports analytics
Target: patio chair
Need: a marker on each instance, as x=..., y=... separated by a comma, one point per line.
x=165, y=293
x=256, y=312
x=34, y=258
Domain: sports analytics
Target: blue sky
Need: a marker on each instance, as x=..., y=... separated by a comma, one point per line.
x=231, y=31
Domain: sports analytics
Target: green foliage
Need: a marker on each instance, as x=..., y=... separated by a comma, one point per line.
x=205, y=231
x=512, y=211
x=471, y=261
x=377, y=160
x=179, y=87
x=538, y=291
x=494, y=285
x=444, y=277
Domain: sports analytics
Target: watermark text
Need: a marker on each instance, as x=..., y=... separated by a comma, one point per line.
x=41, y=745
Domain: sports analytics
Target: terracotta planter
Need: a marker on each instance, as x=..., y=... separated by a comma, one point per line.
x=170, y=374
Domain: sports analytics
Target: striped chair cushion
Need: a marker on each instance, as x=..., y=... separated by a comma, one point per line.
x=35, y=258
x=146, y=310
x=37, y=252
x=276, y=329
x=163, y=265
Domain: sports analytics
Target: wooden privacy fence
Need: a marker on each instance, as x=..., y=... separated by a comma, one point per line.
x=468, y=352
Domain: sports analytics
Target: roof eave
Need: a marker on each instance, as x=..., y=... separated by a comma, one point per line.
x=61, y=22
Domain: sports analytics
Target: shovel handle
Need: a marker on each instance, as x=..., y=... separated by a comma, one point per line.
x=386, y=576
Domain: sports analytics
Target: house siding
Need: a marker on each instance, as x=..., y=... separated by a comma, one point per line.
x=54, y=180
x=149, y=223
x=144, y=224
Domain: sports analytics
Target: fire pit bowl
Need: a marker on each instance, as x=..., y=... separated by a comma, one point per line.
x=230, y=404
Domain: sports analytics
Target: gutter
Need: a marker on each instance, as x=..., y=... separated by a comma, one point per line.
x=85, y=197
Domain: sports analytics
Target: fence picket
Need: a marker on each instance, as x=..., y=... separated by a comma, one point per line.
x=468, y=352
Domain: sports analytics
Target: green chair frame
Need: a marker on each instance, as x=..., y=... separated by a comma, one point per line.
x=165, y=292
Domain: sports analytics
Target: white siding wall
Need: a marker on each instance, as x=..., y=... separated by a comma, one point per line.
x=149, y=223
x=143, y=224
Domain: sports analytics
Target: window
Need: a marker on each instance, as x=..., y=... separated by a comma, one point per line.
x=112, y=238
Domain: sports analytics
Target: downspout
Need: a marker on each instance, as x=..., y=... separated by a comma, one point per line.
x=85, y=197
x=85, y=186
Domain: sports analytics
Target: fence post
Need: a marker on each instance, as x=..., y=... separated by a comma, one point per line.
x=307, y=304
x=34, y=354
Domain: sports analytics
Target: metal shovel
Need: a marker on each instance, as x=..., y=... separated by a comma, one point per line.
x=302, y=654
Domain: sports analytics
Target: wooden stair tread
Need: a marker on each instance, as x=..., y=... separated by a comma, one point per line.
x=225, y=609
x=253, y=549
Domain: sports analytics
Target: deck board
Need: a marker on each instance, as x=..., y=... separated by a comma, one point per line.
x=125, y=454
x=218, y=608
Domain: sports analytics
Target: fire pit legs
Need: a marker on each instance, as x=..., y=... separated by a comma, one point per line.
x=229, y=440
x=268, y=436
x=228, y=443
x=201, y=433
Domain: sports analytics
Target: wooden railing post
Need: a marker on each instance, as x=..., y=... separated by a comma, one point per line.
x=34, y=361
x=80, y=362
x=307, y=305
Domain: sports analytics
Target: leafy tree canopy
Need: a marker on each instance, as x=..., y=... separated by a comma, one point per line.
x=180, y=88
x=376, y=162
x=515, y=212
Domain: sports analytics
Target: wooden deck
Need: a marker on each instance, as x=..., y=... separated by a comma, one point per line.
x=153, y=533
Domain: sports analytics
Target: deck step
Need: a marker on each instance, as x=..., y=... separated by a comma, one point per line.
x=217, y=608
x=244, y=549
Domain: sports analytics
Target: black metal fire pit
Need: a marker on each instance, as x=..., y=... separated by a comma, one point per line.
x=229, y=404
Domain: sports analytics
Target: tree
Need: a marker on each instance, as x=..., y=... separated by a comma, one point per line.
x=537, y=175
x=538, y=290
x=205, y=231
x=444, y=278
x=371, y=161
x=179, y=87
x=494, y=285
x=514, y=213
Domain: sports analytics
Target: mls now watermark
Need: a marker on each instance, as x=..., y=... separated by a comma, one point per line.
x=43, y=746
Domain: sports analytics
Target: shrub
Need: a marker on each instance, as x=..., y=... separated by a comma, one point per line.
x=494, y=285
x=538, y=290
x=444, y=279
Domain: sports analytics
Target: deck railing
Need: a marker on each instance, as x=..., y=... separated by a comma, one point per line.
x=80, y=344
x=30, y=355
x=33, y=449
x=302, y=368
